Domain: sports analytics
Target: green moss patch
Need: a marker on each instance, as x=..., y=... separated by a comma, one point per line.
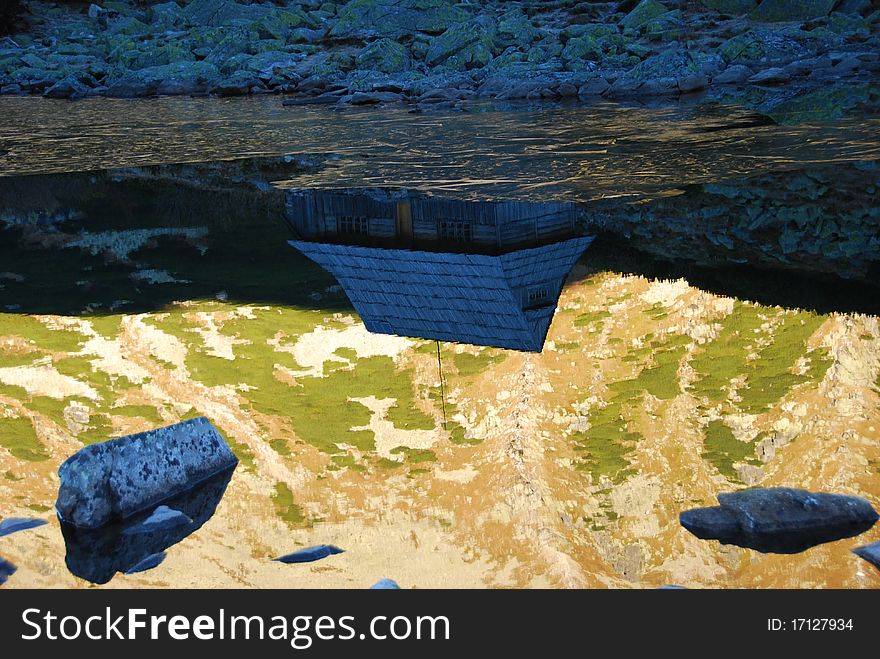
x=20, y=439
x=286, y=508
x=724, y=450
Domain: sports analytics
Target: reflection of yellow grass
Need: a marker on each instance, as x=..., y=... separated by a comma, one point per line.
x=510, y=509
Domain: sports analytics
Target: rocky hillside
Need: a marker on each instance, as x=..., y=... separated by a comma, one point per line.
x=438, y=51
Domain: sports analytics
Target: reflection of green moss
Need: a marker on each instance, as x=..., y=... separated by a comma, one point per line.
x=454, y=428
x=319, y=408
x=468, y=364
x=285, y=507
x=568, y=347
x=346, y=353
x=769, y=377
x=606, y=444
x=723, y=449
x=385, y=463
x=20, y=439
x=345, y=461
x=591, y=317
x=147, y=412
x=38, y=333
x=415, y=455
x=656, y=311
x=724, y=358
x=280, y=446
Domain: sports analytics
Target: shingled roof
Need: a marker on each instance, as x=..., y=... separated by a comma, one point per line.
x=504, y=301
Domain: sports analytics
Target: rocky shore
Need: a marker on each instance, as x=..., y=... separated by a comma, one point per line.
x=439, y=53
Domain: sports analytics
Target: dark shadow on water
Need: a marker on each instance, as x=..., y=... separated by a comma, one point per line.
x=96, y=555
x=765, y=286
x=91, y=244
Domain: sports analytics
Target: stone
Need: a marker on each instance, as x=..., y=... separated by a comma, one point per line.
x=179, y=78
x=240, y=82
x=373, y=98
x=95, y=11
x=117, y=479
x=69, y=87
x=730, y=7
x=733, y=74
x=593, y=87
x=166, y=15
x=692, y=83
x=7, y=569
x=870, y=553
x=854, y=6
x=464, y=45
x=15, y=524
x=310, y=554
x=384, y=55
x=214, y=13
x=642, y=13
x=385, y=584
x=151, y=561
x=791, y=10
x=779, y=519
x=395, y=18
x=162, y=518
x=771, y=76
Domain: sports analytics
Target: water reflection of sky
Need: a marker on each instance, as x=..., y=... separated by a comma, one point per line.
x=528, y=151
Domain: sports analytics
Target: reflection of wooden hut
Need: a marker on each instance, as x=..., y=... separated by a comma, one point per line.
x=471, y=272
x=406, y=220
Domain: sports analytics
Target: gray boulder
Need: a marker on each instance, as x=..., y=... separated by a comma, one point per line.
x=7, y=569
x=780, y=520
x=870, y=553
x=392, y=19
x=791, y=10
x=118, y=479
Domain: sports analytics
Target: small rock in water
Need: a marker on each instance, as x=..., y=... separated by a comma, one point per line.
x=151, y=561
x=7, y=569
x=120, y=478
x=162, y=518
x=870, y=553
x=310, y=554
x=385, y=584
x=780, y=520
x=16, y=524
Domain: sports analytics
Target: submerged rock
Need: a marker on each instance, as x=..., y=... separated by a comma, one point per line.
x=161, y=518
x=310, y=554
x=120, y=478
x=98, y=554
x=7, y=569
x=870, y=553
x=15, y=524
x=385, y=584
x=780, y=520
x=151, y=561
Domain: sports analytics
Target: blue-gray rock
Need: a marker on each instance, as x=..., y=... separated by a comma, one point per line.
x=7, y=569
x=791, y=10
x=310, y=554
x=68, y=87
x=122, y=477
x=385, y=584
x=98, y=554
x=780, y=520
x=642, y=13
x=161, y=518
x=15, y=524
x=870, y=553
x=363, y=17
x=151, y=561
